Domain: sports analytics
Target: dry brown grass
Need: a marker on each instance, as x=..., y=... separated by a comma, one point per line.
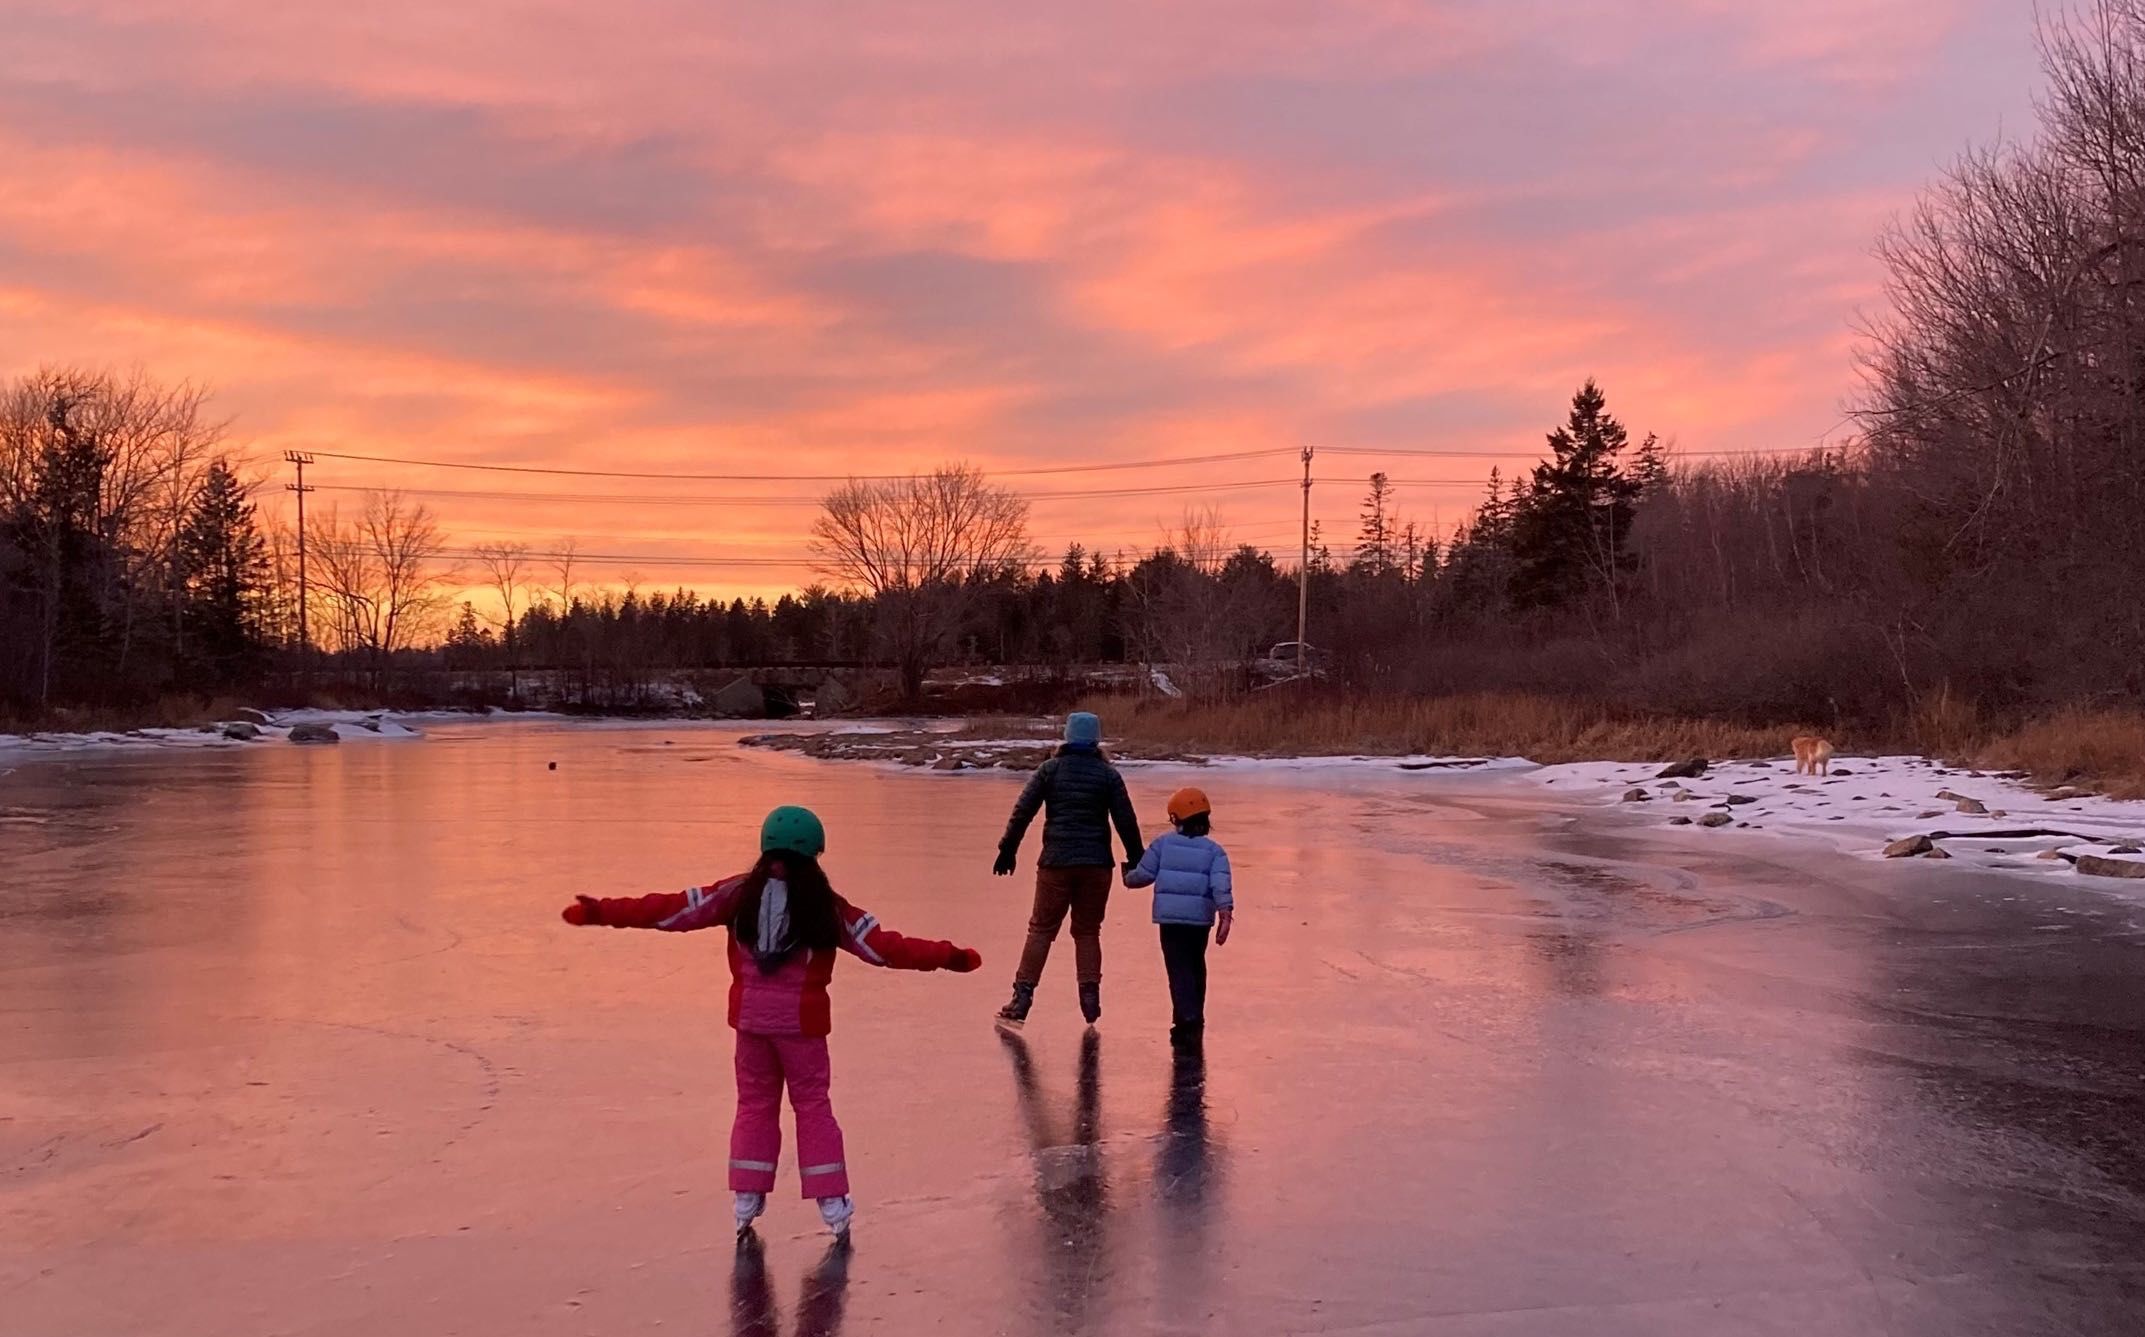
x=170, y=712
x=2100, y=749
x=1545, y=729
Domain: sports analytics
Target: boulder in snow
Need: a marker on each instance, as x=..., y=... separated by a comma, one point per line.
x=1679, y=821
x=1637, y=796
x=1936, y=854
x=1684, y=796
x=1909, y=846
x=1737, y=800
x=241, y=731
x=2050, y=855
x=1715, y=819
x=1690, y=769
x=314, y=733
x=1973, y=806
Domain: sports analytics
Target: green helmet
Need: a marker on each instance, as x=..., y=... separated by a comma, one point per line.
x=795, y=829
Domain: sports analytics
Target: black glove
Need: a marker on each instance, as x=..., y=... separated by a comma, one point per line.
x=1127, y=866
x=1004, y=866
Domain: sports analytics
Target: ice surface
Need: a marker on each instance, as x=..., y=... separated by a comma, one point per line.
x=296, y=1044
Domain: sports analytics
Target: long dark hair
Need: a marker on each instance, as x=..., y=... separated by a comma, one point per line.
x=814, y=923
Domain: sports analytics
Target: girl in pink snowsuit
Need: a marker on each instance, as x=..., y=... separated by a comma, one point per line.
x=786, y=924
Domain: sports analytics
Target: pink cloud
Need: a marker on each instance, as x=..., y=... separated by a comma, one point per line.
x=672, y=235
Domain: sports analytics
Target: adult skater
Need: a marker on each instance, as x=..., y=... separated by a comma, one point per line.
x=1081, y=795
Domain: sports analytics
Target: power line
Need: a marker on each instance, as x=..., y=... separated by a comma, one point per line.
x=672, y=499
x=1519, y=456
x=672, y=476
x=1093, y=542
x=707, y=563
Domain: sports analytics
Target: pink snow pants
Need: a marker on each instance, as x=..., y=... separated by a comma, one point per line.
x=764, y=1064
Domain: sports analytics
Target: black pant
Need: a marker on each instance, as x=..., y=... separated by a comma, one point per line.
x=1184, y=955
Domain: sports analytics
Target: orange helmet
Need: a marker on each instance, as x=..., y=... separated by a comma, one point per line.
x=1188, y=803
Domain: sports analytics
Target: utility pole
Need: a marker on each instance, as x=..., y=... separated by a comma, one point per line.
x=1303, y=571
x=305, y=626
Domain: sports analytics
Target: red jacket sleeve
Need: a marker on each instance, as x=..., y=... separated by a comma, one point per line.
x=672, y=911
x=863, y=936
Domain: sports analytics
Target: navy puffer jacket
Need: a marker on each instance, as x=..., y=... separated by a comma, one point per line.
x=1081, y=795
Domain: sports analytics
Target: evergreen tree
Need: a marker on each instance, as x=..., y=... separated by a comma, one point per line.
x=1478, y=562
x=1418, y=552
x=225, y=568
x=1376, y=547
x=1571, y=529
x=1650, y=468
x=467, y=642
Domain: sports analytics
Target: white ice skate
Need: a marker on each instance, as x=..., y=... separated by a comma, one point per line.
x=838, y=1213
x=749, y=1206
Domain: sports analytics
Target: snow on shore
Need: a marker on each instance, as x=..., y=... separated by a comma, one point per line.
x=347, y=725
x=1863, y=806
x=1869, y=802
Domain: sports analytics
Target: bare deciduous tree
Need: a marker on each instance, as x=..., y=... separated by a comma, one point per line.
x=918, y=545
x=2003, y=385
x=381, y=576
x=90, y=460
x=504, y=566
x=562, y=563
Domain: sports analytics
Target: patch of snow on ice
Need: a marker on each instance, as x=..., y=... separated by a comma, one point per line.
x=1878, y=800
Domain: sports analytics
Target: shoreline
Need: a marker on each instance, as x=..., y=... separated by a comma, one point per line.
x=1873, y=808
x=248, y=727
x=1869, y=807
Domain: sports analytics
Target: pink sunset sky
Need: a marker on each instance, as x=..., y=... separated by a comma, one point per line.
x=679, y=236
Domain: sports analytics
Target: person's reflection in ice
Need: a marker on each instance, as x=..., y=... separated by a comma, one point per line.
x=826, y=1293
x=1187, y=1179
x=1070, y=1185
x=752, y=1300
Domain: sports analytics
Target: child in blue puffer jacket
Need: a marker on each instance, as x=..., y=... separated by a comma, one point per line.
x=1193, y=894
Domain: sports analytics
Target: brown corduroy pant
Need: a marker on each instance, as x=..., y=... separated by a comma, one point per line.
x=1085, y=894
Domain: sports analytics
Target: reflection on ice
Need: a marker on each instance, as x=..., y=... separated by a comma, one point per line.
x=820, y=1302
x=1071, y=1181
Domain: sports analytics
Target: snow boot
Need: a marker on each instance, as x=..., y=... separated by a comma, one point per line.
x=1015, y=1013
x=1091, y=1002
x=838, y=1213
x=748, y=1207
x=1188, y=1037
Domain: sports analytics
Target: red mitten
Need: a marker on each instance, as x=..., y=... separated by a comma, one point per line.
x=584, y=910
x=964, y=960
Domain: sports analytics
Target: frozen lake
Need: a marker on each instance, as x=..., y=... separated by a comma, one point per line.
x=294, y=1043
